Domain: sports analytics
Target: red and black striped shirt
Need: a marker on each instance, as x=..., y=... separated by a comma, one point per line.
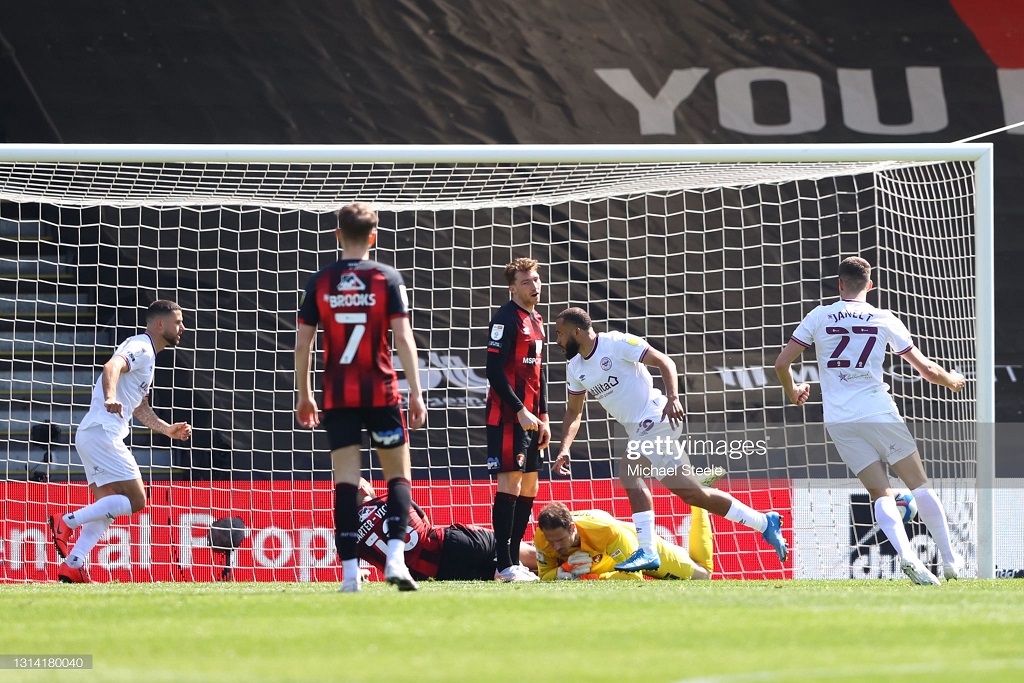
x=355, y=301
x=423, y=542
x=514, y=367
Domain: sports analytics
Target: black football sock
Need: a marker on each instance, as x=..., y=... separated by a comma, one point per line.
x=521, y=520
x=503, y=519
x=399, y=502
x=346, y=520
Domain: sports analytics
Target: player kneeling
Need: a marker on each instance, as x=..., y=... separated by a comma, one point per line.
x=587, y=544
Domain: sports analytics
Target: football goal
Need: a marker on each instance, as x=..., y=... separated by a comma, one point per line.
x=712, y=253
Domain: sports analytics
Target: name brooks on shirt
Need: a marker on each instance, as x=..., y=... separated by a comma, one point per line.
x=351, y=299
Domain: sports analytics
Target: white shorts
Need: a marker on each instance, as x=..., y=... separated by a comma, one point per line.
x=106, y=458
x=879, y=438
x=658, y=443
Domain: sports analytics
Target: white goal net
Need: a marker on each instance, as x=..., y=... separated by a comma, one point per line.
x=712, y=254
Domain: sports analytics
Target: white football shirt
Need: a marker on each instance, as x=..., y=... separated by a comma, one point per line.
x=850, y=339
x=132, y=387
x=614, y=374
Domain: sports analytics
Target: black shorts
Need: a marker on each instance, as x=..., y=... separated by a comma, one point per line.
x=467, y=554
x=345, y=426
x=510, y=448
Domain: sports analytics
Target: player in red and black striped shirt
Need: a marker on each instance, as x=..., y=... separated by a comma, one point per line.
x=358, y=301
x=457, y=552
x=517, y=413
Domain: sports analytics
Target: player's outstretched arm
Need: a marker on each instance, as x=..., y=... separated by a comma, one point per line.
x=933, y=372
x=570, y=427
x=797, y=393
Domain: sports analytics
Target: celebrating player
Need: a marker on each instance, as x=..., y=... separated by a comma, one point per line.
x=457, y=552
x=850, y=338
x=517, y=413
x=586, y=545
x=357, y=300
x=612, y=367
x=121, y=393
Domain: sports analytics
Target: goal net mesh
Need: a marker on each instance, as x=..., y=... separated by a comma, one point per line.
x=715, y=264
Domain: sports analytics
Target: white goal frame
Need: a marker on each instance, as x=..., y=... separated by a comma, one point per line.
x=978, y=154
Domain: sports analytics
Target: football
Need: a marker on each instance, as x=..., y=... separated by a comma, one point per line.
x=906, y=504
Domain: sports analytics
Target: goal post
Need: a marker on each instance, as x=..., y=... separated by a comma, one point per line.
x=712, y=252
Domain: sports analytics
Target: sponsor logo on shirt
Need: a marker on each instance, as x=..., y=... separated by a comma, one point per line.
x=599, y=390
x=350, y=283
x=850, y=376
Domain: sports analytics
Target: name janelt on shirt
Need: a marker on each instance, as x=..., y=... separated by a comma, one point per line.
x=843, y=315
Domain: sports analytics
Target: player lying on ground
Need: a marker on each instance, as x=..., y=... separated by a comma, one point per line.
x=457, y=552
x=587, y=544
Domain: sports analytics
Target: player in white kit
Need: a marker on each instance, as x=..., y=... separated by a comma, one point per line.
x=612, y=367
x=121, y=392
x=850, y=338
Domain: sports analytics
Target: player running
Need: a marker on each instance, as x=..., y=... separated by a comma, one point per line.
x=612, y=367
x=121, y=393
x=850, y=338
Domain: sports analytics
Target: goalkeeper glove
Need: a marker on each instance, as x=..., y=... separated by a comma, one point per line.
x=578, y=564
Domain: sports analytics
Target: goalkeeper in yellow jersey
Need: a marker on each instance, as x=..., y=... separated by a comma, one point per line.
x=587, y=544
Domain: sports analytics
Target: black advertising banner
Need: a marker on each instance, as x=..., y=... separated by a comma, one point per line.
x=483, y=71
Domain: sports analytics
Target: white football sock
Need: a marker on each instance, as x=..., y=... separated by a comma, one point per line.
x=88, y=537
x=644, y=523
x=350, y=570
x=396, y=551
x=931, y=512
x=889, y=520
x=107, y=508
x=747, y=516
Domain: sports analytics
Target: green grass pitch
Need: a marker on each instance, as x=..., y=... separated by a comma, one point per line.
x=571, y=632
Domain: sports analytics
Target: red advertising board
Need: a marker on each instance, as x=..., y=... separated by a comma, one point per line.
x=289, y=527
